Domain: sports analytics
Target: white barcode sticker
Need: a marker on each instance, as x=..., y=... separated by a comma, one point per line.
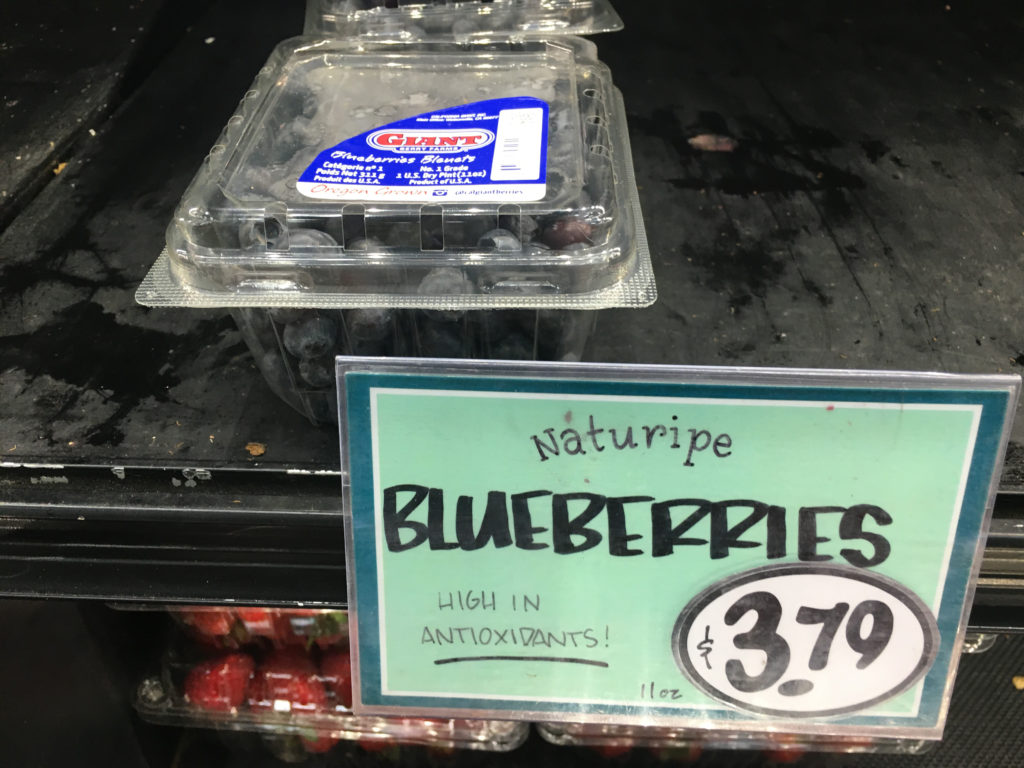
x=519, y=148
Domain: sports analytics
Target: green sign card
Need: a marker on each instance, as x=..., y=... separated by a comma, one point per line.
x=738, y=549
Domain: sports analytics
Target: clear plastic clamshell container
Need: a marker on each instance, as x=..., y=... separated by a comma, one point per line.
x=422, y=199
x=404, y=20
x=286, y=674
x=688, y=743
x=251, y=230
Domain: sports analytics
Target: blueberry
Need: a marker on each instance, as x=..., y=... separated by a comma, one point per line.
x=526, y=226
x=363, y=244
x=441, y=340
x=445, y=282
x=322, y=407
x=497, y=324
x=525, y=320
x=398, y=29
x=317, y=372
x=554, y=323
x=259, y=234
x=556, y=182
x=253, y=180
x=300, y=163
x=500, y=240
x=275, y=372
x=565, y=232
x=310, y=238
x=381, y=348
x=561, y=330
x=283, y=188
x=297, y=100
x=584, y=200
x=370, y=324
x=285, y=315
x=464, y=26
x=515, y=346
x=552, y=328
x=290, y=137
x=310, y=338
x=302, y=132
x=560, y=122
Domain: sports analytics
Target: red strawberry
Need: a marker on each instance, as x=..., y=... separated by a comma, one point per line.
x=336, y=670
x=305, y=626
x=565, y=232
x=331, y=628
x=259, y=622
x=376, y=745
x=209, y=622
x=219, y=685
x=287, y=681
x=328, y=641
x=283, y=633
x=688, y=754
x=787, y=749
x=784, y=756
x=612, y=750
x=322, y=743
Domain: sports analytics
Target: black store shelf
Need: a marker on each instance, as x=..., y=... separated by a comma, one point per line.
x=211, y=536
x=870, y=217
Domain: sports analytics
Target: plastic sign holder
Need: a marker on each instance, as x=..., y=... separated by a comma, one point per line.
x=751, y=550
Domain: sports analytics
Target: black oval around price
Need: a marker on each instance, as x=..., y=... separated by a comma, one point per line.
x=805, y=640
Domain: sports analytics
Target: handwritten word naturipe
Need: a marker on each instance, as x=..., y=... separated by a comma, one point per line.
x=553, y=441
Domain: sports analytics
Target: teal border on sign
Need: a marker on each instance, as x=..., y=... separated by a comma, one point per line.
x=359, y=445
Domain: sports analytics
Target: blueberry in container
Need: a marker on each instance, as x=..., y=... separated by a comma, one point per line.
x=461, y=20
x=437, y=199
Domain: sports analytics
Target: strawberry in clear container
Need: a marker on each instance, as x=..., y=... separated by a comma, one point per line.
x=220, y=684
x=304, y=626
x=209, y=623
x=336, y=670
x=319, y=744
x=287, y=681
x=257, y=622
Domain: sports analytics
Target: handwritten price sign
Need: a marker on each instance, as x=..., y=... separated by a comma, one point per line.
x=805, y=641
x=682, y=547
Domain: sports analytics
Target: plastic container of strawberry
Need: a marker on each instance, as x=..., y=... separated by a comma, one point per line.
x=442, y=267
x=286, y=674
x=687, y=744
x=236, y=627
x=458, y=19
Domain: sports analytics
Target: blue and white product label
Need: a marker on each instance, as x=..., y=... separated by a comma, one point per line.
x=487, y=151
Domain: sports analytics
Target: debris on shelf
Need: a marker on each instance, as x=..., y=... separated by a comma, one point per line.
x=713, y=142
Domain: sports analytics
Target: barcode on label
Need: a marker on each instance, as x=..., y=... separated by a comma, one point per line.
x=518, y=146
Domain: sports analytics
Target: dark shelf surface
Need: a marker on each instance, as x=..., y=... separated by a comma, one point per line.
x=870, y=216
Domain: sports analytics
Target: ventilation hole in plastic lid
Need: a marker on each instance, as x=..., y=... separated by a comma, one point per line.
x=431, y=228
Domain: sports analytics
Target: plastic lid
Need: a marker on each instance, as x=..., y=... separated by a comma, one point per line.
x=464, y=176
x=460, y=20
